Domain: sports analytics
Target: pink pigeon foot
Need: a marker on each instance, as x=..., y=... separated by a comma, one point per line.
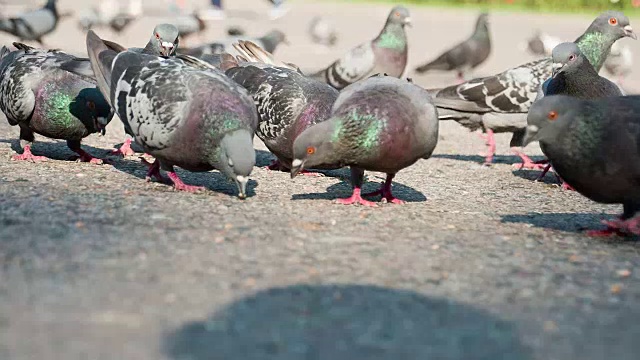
x=618, y=227
x=356, y=198
x=527, y=163
x=385, y=191
x=491, y=146
x=28, y=156
x=154, y=171
x=180, y=186
x=86, y=157
x=124, y=150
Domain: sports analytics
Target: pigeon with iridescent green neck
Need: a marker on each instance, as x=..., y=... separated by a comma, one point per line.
x=500, y=103
x=40, y=98
x=386, y=54
x=379, y=124
x=182, y=111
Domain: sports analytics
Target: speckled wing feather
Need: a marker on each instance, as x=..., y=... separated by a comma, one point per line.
x=353, y=66
x=512, y=91
x=18, y=70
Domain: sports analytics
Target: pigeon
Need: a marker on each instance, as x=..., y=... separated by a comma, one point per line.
x=466, y=55
x=268, y=42
x=164, y=41
x=380, y=124
x=620, y=62
x=40, y=98
x=574, y=75
x=33, y=25
x=387, y=54
x=287, y=101
x=594, y=145
x=541, y=44
x=500, y=103
x=181, y=110
x=322, y=31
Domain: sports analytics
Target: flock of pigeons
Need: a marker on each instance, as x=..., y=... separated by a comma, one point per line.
x=199, y=109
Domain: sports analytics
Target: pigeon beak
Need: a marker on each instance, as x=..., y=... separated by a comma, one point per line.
x=241, y=182
x=628, y=31
x=166, y=48
x=530, y=135
x=556, y=69
x=296, y=167
x=101, y=124
x=407, y=22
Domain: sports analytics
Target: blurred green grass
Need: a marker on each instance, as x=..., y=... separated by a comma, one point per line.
x=559, y=6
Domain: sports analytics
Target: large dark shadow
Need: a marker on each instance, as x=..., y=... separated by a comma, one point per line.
x=57, y=150
x=346, y=322
x=344, y=189
x=213, y=180
x=570, y=222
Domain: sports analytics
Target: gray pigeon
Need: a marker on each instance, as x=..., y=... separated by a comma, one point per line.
x=541, y=44
x=380, y=124
x=322, y=31
x=500, y=103
x=183, y=112
x=467, y=55
x=39, y=97
x=573, y=75
x=288, y=103
x=594, y=145
x=33, y=25
x=269, y=42
x=94, y=18
x=387, y=54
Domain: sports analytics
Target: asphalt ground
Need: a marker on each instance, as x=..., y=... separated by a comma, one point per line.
x=481, y=263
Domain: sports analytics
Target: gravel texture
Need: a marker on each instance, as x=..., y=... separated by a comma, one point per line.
x=482, y=263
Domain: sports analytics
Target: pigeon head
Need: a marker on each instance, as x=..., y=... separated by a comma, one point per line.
x=237, y=158
x=399, y=15
x=483, y=21
x=165, y=39
x=567, y=58
x=614, y=24
x=549, y=116
x=313, y=147
x=91, y=107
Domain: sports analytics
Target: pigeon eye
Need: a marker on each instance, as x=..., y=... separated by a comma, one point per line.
x=552, y=115
x=613, y=21
x=157, y=36
x=91, y=105
x=311, y=150
x=397, y=14
x=572, y=57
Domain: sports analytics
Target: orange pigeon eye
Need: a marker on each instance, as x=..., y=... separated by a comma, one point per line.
x=157, y=36
x=552, y=115
x=397, y=14
x=311, y=150
x=91, y=105
x=613, y=21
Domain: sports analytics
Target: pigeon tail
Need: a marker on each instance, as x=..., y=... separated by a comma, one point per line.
x=101, y=55
x=254, y=53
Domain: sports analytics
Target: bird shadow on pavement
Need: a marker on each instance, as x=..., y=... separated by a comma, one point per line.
x=497, y=159
x=569, y=222
x=56, y=150
x=212, y=180
x=346, y=322
x=549, y=179
x=344, y=189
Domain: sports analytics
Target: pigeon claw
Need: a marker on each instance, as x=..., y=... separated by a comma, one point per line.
x=356, y=198
x=180, y=186
x=88, y=158
x=527, y=163
x=618, y=227
x=28, y=156
x=124, y=150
